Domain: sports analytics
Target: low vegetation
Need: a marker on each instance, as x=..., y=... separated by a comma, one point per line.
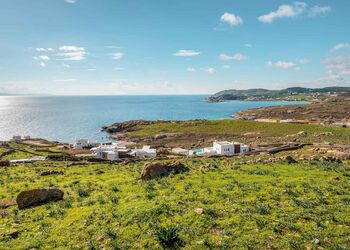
x=239, y=202
x=202, y=133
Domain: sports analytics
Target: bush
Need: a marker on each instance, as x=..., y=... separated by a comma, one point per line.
x=168, y=237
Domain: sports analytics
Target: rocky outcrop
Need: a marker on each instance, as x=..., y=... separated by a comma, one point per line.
x=125, y=126
x=153, y=170
x=37, y=197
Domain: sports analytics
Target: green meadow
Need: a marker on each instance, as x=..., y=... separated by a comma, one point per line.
x=269, y=132
x=231, y=205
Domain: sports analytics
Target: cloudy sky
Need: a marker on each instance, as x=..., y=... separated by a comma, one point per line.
x=116, y=47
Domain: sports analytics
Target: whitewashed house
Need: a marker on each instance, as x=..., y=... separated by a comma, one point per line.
x=225, y=148
x=230, y=148
x=145, y=152
x=107, y=152
x=83, y=144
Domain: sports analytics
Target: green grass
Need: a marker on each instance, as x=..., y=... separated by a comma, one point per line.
x=239, y=128
x=252, y=206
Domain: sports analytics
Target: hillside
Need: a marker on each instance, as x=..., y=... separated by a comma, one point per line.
x=289, y=94
x=327, y=112
x=247, y=202
x=202, y=133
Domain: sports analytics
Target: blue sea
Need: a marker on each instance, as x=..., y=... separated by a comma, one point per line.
x=64, y=118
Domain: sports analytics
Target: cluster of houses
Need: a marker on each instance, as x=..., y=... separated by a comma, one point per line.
x=114, y=151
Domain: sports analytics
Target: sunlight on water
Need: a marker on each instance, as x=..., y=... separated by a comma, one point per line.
x=66, y=118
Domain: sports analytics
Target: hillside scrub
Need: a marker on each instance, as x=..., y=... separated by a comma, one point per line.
x=242, y=204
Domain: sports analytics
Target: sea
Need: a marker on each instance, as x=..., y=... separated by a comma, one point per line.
x=65, y=118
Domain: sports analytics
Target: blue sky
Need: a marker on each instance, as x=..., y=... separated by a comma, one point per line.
x=115, y=47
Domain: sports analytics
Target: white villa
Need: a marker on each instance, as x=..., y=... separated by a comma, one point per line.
x=145, y=152
x=83, y=143
x=222, y=148
x=114, y=152
x=107, y=152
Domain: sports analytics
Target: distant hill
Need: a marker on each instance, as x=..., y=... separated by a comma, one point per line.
x=288, y=94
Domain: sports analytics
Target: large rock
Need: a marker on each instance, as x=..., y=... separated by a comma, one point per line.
x=153, y=170
x=37, y=197
x=290, y=160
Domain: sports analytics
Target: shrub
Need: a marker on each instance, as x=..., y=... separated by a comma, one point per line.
x=168, y=237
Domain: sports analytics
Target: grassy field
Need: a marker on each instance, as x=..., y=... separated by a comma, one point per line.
x=245, y=131
x=245, y=206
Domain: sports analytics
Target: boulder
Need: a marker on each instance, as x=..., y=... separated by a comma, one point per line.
x=290, y=160
x=153, y=170
x=37, y=197
x=4, y=163
x=302, y=133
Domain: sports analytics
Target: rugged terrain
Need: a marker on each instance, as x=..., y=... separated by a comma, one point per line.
x=245, y=202
x=327, y=112
x=200, y=133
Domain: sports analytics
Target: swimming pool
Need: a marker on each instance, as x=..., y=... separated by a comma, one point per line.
x=198, y=151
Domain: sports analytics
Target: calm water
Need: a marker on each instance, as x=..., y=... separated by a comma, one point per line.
x=65, y=118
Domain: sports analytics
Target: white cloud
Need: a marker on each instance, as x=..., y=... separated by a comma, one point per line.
x=71, y=53
x=231, y=19
x=282, y=64
x=236, y=57
x=113, y=47
x=248, y=45
x=118, y=56
x=92, y=69
x=226, y=66
x=42, y=64
x=304, y=61
x=119, y=69
x=341, y=46
x=319, y=10
x=337, y=65
x=71, y=1
x=42, y=58
x=186, y=53
x=211, y=70
x=284, y=11
x=44, y=49
x=65, y=80
x=191, y=70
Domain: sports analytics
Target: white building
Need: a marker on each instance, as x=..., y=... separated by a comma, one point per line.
x=245, y=149
x=107, y=152
x=83, y=144
x=16, y=138
x=230, y=148
x=26, y=137
x=226, y=148
x=145, y=152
